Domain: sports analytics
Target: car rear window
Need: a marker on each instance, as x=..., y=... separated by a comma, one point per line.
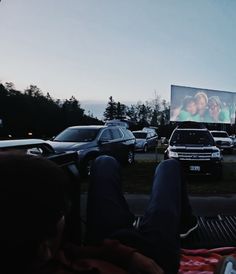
x=128, y=134
x=140, y=135
x=77, y=135
x=116, y=133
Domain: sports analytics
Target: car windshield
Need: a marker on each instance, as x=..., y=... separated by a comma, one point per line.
x=184, y=137
x=140, y=135
x=220, y=134
x=77, y=135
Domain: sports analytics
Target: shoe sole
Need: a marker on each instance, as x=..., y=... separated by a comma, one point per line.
x=226, y=266
x=184, y=235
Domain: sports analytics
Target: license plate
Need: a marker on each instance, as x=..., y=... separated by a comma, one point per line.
x=194, y=168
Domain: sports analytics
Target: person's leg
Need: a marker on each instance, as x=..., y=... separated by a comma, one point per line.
x=107, y=209
x=167, y=206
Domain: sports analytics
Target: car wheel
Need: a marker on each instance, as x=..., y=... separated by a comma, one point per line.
x=145, y=148
x=130, y=157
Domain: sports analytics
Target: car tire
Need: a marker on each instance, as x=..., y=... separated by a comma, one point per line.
x=130, y=157
x=145, y=148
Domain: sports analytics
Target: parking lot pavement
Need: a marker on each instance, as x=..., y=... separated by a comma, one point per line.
x=207, y=205
x=229, y=157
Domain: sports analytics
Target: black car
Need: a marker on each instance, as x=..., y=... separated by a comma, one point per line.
x=196, y=150
x=92, y=141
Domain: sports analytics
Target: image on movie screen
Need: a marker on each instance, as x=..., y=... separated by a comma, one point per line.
x=202, y=105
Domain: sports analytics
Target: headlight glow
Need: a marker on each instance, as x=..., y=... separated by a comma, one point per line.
x=173, y=154
x=215, y=154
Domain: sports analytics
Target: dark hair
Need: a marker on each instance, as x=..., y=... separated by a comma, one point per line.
x=31, y=204
x=187, y=99
x=215, y=99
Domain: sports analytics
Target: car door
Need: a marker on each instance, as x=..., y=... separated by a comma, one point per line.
x=152, y=139
x=105, y=142
x=118, y=144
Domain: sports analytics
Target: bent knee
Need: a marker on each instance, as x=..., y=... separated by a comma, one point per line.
x=105, y=161
x=171, y=165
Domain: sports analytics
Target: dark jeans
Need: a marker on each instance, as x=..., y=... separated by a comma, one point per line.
x=108, y=214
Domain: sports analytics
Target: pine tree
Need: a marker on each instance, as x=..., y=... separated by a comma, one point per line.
x=110, y=112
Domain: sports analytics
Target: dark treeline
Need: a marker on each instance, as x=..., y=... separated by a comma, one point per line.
x=33, y=114
x=154, y=113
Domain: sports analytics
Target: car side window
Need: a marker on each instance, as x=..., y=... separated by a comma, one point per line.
x=106, y=135
x=116, y=134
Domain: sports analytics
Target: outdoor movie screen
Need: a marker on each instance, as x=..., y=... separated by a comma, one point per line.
x=202, y=105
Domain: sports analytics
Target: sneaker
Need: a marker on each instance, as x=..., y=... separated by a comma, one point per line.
x=226, y=266
x=189, y=227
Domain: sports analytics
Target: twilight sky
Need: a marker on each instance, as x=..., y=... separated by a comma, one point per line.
x=125, y=48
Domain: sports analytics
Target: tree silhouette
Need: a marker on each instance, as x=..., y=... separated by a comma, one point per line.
x=111, y=109
x=31, y=111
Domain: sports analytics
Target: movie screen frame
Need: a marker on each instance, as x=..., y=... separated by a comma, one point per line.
x=202, y=105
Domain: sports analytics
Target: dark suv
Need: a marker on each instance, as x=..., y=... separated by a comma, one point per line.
x=92, y=141
x=195, y=149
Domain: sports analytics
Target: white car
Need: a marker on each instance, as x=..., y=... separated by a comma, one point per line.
x=222, y=140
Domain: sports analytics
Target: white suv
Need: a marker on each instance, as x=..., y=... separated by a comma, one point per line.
x=222, y=140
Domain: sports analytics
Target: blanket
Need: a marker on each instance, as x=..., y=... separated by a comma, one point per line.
x=203, y=261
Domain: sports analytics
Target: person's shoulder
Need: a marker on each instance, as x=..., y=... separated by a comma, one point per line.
x=224, y=115
x=183, y=115
x=207, y=117
x=196, y=118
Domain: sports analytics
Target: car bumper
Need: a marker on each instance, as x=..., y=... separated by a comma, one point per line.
x=209, y=167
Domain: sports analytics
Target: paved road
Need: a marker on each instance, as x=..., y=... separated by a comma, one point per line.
x=152, y=156
x=207, y=205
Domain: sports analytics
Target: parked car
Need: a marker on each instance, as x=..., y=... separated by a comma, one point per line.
x=92, y=141
x=145, y=140
x=164, y=140
x=233, y=137
x=195, y=148
x=223, y=141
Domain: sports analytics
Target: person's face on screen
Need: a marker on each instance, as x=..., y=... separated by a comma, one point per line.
x=191, y=107
x=201, y=105
x=214, y=109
